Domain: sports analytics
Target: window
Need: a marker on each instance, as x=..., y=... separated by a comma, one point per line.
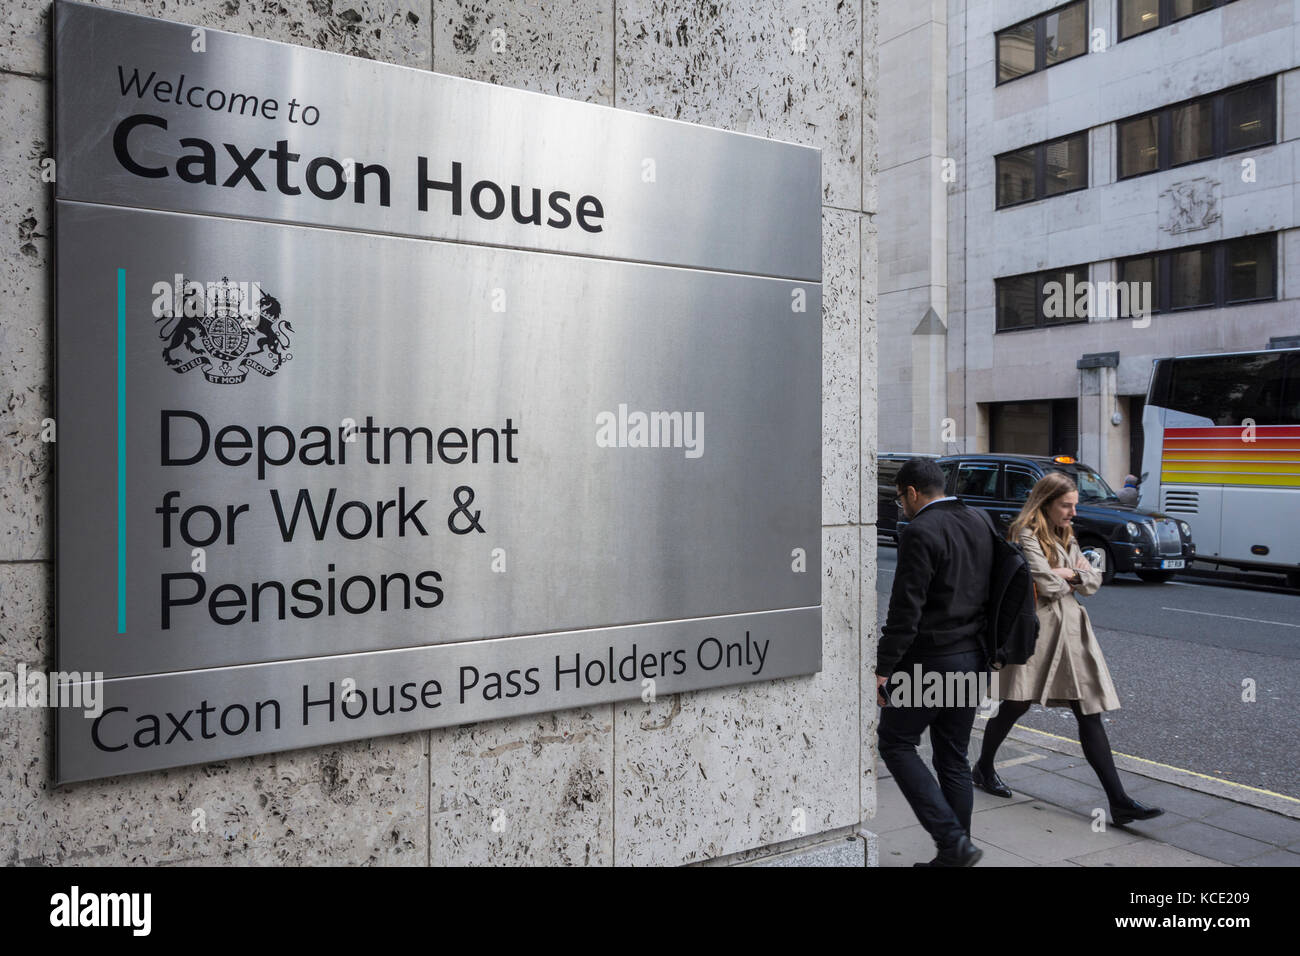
x=1138, y=16
x=1248, y=116
x=1209, y=276
x=1042, y=41
x=1092, y=487
x=977, y=480
x=1249, y=268
x=1227, y=389
x=1208, y=126
x=1065, y=34
x=1016, y=51
x=1019, y=482
x=1191, y=132
x=1047, y=169
x=1066, y=164
x=1017, y=175
x=1141, y=269
x=1139, y=145
x=1017, y=305
x=1191, y=278
x=1040, y=299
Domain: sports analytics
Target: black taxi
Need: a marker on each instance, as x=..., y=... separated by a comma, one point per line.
x=1154, y=546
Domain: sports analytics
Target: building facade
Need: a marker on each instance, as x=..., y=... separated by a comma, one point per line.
x=1069, y=191
x=722, y=775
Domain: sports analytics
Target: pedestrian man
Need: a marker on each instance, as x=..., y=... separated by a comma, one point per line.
x=1128, y=495
x=935, y=625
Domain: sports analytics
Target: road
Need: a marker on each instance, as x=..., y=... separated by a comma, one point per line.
x=1179, y=654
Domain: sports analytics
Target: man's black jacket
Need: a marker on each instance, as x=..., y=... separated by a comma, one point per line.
x=941, y=586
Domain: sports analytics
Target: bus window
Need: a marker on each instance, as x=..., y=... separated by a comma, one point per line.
x=1228, y=389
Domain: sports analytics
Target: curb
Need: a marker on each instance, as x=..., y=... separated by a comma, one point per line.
x=1188, y=779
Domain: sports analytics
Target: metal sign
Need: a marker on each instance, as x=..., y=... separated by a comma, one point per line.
x=318, y=484
x=265, y=130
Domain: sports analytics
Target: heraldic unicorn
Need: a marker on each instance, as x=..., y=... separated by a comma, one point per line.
x=216, y=328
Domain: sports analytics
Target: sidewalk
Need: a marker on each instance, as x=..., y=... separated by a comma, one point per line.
x=1048, y=820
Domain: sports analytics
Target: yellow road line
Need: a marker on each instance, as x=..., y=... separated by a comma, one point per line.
x=1167, y=766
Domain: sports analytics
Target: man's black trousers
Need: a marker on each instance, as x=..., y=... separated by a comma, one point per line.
x=943, y=807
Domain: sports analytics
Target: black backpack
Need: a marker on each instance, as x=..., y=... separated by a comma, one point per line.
x=1013, y=602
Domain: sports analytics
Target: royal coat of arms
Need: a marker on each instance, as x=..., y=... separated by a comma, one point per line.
x=227, y=329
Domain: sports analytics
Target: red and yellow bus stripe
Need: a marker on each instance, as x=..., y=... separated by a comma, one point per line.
x=1260, y=455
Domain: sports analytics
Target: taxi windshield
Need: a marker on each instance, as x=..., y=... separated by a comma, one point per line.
x=1092, y=487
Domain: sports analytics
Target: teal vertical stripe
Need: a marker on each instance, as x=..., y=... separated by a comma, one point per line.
x=121, y=451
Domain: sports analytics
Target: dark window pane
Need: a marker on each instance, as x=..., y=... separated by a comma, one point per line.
x=1138, y=16
x=1185, y=8
x=1016, y=51
x=1250, y=268
x=1017, y=305
x=1249, y=116
x=979, y=481
x=1139, y=150
x=1142, y=270
x=1192, y=131
x=1291, y=395
x=1019, y=481
x=1061, y=296
x=1191, y=278
x=1067, y=164
x=1067, y=33
x=1016, y=176
x=1228, y=389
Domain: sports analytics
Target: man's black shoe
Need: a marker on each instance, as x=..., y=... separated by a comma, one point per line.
x=990, y=782
x=963, y=853
x=1135, y=811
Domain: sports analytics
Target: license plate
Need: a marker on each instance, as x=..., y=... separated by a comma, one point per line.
x=1170, y=565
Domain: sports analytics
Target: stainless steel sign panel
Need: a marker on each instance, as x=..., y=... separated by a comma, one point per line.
x=483, y=425
x=144, y=723
x=647, y=442
x=158, y=115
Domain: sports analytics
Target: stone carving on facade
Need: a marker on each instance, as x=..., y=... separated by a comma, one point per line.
x=1190, y=205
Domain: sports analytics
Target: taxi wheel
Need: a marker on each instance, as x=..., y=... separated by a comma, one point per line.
x=1156, y=577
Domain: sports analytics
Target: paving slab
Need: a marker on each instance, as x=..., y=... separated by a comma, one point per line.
x=1215, y=843
x=1274, y=858
x=903, y=848
x=1253, y=822
x=1145, y=853
x=1043, y=833
x=1179, y=799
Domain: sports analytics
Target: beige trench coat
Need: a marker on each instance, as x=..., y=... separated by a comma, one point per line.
x=1067, y=664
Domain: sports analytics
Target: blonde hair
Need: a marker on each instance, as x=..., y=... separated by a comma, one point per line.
x=1033, y=514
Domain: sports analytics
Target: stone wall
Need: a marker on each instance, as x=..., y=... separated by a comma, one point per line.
x=711, y=775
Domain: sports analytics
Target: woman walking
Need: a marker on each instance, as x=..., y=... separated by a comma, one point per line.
x=1066, y=668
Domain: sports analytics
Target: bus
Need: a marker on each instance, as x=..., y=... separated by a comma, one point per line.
x=1222, y=452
